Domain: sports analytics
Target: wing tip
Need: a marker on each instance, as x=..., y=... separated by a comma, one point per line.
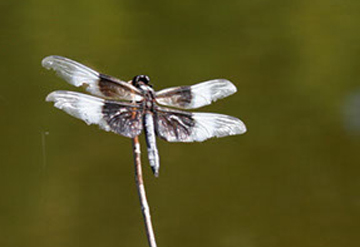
x=224, y=85
x=51, y=97
x=239, y=126
x=55, y=95
x=242, y=128
x=232, y=87
x=229, y=85
x=48, y=61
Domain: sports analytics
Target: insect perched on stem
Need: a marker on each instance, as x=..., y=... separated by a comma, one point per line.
x=127, y=108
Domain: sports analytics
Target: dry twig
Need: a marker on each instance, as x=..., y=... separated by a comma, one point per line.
x=142, y=194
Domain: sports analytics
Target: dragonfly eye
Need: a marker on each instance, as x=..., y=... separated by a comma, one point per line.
x=141, y=78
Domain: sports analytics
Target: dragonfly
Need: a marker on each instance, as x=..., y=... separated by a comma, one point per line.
x=128, y=108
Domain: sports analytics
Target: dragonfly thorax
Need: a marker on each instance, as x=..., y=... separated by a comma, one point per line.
x=148, y=94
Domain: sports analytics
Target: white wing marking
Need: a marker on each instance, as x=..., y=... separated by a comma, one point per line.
x=71, y=71
x=195, y=96
x=82, y=106
x=208, y=125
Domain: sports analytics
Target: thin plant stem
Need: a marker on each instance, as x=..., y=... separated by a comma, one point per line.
x=142, y=194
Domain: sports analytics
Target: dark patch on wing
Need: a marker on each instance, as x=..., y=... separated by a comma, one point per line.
x=124, y=120
x=114, y=88
x=174, y=126
x=178, y=97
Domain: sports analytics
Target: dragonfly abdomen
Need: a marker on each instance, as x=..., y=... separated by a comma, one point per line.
x=150, y=137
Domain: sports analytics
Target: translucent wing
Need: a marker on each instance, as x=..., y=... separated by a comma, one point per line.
x=180, y=126
x=96, y=83
x=122, y=118
x=198, y=95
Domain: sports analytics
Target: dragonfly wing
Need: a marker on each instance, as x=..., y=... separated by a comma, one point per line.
x=97, y=84
x=180, y=126
x=122, y=118
x=195, y=96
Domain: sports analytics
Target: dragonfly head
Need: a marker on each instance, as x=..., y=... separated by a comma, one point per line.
x=141, y=80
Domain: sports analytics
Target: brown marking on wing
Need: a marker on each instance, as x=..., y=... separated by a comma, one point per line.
x=174, y=125
x=113, y=88
x=178, y=97
x=125, y=120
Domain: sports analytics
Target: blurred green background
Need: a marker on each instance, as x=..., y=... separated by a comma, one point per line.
x=291, y=180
